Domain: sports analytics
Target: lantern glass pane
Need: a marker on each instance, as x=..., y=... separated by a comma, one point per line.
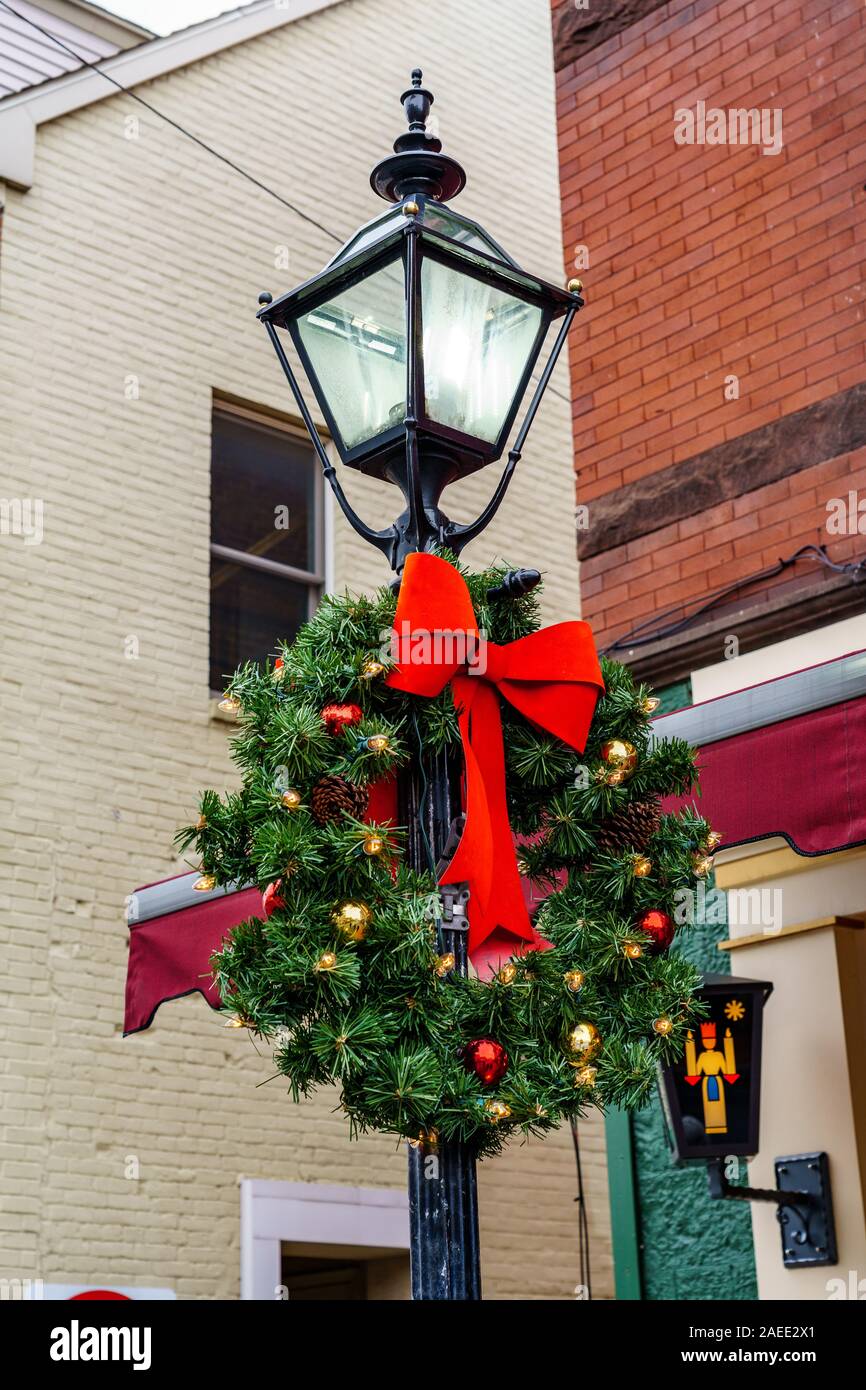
x=441, y=219
x=356, y=343
x=477, y=342
x=376, y=230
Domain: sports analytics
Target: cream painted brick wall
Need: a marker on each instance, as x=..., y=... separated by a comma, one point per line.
x=143, y=258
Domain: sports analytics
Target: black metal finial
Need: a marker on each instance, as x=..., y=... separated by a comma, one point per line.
x=417, y=164
x=416, y=102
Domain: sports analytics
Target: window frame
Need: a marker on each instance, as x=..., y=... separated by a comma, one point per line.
x=273, y=1212
x=315, y=579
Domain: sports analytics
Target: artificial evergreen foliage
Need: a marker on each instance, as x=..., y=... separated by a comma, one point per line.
x=372, y=1014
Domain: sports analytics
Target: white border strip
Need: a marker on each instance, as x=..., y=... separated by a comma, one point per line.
x=768, y=703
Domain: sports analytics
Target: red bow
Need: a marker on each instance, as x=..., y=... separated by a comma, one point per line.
x=551, y=676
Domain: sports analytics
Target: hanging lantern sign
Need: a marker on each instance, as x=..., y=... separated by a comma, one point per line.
x=713, y=1092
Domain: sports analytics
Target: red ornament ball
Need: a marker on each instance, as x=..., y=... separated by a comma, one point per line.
x=487, y=1058
x=659, y=927
x=271, y=899
x=338, y=717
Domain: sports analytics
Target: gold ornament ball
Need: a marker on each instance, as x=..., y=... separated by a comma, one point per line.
x=497, y=1110
x=378, y=743
x=584, y=1040
x=620, y=755
x=641, y=866
x=663, y=1025
x=443, y=965
x=632, y=950
x=371, y=669
x=352, y=919
x=291, y=799
x=585, y=1076
x=326, y=961
x=574, y=980
x=205, y=884
x=507, y=974
x=374, y=845
x=701, y=864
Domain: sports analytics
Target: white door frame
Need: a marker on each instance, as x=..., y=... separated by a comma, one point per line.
x=317, y=1214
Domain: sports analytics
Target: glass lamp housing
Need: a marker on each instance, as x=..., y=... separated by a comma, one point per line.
x=421, y=318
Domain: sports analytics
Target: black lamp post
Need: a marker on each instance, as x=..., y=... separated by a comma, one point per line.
x=712, y=1097
x=418, y=342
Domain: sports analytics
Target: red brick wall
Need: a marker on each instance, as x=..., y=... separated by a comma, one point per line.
x=707, y=261
x=683, y=562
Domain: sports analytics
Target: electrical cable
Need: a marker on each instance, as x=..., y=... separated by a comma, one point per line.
x=655, y=628
x=582, y=1220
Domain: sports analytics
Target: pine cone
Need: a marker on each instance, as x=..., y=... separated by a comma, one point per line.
x=333, y=797
x=631, y=828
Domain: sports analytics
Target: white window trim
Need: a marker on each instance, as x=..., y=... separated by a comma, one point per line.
x=316, y=1214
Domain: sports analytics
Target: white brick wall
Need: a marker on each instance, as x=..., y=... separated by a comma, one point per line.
x=143, y=258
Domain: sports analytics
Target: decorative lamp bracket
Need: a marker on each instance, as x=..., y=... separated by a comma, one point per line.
x=805, y=1206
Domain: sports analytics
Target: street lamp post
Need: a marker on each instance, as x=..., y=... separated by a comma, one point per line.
x=419, y=342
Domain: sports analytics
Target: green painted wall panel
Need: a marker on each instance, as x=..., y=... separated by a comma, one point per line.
x=662, y=1220
x=691, y=1246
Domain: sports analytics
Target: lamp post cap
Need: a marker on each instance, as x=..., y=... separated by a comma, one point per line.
x=417, y=164
x=266, y=298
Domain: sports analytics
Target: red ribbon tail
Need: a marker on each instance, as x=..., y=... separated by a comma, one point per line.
x=485, y=857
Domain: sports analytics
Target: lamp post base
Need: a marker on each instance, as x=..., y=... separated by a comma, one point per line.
x=443, y=1223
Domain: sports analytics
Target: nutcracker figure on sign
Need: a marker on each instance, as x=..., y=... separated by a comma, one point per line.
x=714, y=1069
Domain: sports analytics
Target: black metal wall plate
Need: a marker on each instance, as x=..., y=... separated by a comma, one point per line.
x=808, y=1229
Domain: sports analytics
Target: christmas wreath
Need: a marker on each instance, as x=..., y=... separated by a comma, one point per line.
x=344, y=972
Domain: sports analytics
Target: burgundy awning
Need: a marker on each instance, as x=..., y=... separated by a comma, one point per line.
x=169, y=954
x=804, y=779
x=772, y=763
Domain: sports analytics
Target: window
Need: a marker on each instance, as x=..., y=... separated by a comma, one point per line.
x=349, y=1274
x=266, y=539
